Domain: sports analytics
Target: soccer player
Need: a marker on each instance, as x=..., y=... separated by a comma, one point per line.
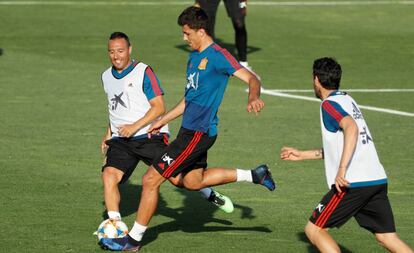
x=134, y=101
x=353, y=171
x=236, y=10
x=208, y=70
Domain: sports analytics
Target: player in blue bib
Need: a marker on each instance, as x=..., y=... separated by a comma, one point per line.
x=184, y=161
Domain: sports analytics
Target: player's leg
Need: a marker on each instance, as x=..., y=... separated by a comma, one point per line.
x=151, y=183
x=167, y=164
x=333, y=210
x=240, y=39
x=200, y=178
x=210, y=7
x=377, y=217
x=111, y=177
x=236, y=10
x=119, y=165
x=155, y=147
x=392, y=243
x=321, y=238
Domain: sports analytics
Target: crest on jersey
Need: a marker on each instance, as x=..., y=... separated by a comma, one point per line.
x=117, y=99
x=203, y=64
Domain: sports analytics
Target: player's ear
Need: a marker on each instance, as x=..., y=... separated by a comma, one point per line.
x=130, y=49
x=316, y=80
x=202, y=32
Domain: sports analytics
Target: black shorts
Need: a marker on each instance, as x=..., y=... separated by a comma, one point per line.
x=369, y=205
x=236, y=9
x=125, y=153
x=187, y=152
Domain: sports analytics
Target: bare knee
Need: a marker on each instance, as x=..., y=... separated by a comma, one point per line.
x=311, y=231
x=392, y=242
x=314, y=232
x=111, y=176
x=381, y=239
x=151, y=179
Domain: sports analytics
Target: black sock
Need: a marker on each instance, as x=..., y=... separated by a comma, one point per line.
x=212, y=196
x=133, y=241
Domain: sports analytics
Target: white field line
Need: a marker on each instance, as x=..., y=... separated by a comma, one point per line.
x=258, y=3
x=348, y=90
x=367, y=107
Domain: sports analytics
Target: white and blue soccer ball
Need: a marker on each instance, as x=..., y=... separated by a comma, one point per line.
x=111, y=228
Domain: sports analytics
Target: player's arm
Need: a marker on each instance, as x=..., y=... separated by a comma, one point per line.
x=107, y=135
x=157, y=109
x=350, y=131
x=154, y=94
x=293, y=154
x=255, y=104
x=174, y=113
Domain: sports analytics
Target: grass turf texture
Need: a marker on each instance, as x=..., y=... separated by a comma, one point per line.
x=53, y=114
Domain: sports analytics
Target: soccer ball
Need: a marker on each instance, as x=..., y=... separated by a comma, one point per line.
x=112, y=229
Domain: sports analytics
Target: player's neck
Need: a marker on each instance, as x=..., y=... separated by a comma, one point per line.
x=205, y=44
x=326, y=93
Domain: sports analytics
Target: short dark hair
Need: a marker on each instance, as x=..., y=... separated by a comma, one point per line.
x=328, y=71
x=120, y=35
x=195, y=18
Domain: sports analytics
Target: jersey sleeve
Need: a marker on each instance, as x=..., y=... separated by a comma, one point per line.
x=332, y=114
x=226, y=63
x=152, y=87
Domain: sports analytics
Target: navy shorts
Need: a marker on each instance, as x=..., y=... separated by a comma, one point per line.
x=187, y=152
x=125, y=153
x=368, y=204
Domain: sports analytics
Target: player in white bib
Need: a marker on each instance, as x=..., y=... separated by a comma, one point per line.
x=353, y=171
x=134, y=101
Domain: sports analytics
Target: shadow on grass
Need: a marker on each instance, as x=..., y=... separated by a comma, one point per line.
x=229, y=46
x=312, y=249
x=192, y=217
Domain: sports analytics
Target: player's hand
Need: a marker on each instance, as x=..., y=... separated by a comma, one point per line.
x=340, y=181
x=127, y=130
x=255, y=105
x=104, y=147
x=155, y=128
x=290, y=154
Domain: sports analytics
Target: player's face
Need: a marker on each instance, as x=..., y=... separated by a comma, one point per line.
x=192, y=37
x=119, y=53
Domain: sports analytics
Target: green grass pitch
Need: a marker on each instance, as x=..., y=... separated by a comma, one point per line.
x=53, y=114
